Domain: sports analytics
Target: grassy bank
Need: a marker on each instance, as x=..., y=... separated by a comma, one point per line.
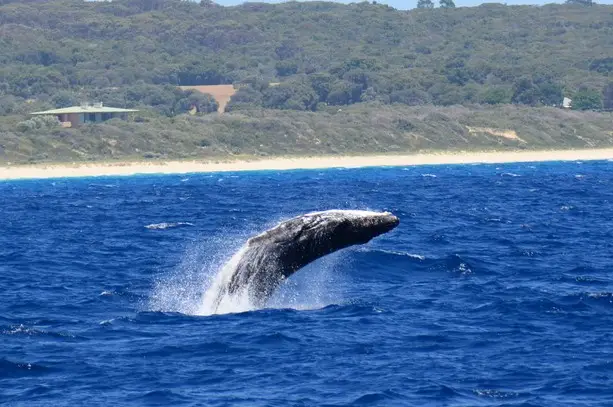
x=359, y=129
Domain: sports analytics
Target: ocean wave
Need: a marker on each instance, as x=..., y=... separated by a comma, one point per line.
x=27, y=331
x=162, y=398
x=10, y=369
x=460, y=305
x=394, y=253
x=383, y=397
x=495, y=394
x=273, y=338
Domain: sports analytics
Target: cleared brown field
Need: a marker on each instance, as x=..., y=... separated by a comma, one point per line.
x=221, y=93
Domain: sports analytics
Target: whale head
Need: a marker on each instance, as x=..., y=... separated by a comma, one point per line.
x=342, y=228
x=305, y=238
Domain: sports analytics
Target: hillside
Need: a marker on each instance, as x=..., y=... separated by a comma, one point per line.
x=325, y=56
x=323, y=52
x=357, y=129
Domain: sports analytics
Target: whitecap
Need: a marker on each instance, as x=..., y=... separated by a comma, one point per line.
x=167, y=225
x=21, y=329
x=494, y=393
x=600, y=295
x=428, y=175
x=405, y=254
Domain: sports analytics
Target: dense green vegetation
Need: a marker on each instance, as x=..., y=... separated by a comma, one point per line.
x=321, y=52
x=325, y=56
x=356, y=129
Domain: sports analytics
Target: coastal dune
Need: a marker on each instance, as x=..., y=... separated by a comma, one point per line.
x=66, y=170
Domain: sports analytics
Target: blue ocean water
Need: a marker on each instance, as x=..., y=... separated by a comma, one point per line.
x=495, y=290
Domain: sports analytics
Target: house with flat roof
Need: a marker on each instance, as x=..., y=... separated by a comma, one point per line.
x=86, y=113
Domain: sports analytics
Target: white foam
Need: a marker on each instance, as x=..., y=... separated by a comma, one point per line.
x=197, y=286
x=314, y=287
x=183, y=288
x=167, y=225
x=216, y=301
x=405, y=254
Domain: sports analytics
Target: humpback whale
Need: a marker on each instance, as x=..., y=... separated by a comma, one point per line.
x=272, y=256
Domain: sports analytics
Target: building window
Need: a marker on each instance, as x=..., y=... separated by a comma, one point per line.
x=91, y=117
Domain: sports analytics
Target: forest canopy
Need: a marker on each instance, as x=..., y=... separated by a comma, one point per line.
x=131, y=53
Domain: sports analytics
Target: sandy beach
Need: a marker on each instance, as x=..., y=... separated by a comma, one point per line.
x=42, y=171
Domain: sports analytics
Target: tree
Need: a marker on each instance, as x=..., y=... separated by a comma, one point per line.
x=425, y=4
x=587, y=99
x=293, y=95
x=494, y=95
x=246, y=97
x=197, y=102
x=536, y=91
x=602, y=65
x=581, y=2
x=344, y=93
x=286, y=68
x=64, y=99
x=607, y=94
x=4, y=88
x=446, y=3
x=410, y=97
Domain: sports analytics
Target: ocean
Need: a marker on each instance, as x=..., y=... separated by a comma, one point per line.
x=496, y=289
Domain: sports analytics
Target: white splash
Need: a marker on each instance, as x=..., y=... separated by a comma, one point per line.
x=196, y=286
x=315, y=286
x=167, y=225
x=182, y=289
x=215, y=301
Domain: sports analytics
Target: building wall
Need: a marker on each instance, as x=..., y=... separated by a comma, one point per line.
x=77, y=119
x=74, y=119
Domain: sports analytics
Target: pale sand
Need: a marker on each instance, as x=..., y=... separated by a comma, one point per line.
x=182, y=167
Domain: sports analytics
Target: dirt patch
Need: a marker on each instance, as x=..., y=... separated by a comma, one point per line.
x=221, y=93
x=508, y=134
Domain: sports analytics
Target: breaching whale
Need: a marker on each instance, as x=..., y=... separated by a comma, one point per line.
x=270, y=257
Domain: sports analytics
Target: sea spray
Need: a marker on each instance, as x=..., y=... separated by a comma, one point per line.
x=197, y=286
x=308, y=289
x=216, y=299
x=183, y=288
x=251, y=277
x=315, y=286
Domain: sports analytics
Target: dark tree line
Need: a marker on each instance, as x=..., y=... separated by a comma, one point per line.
x=135, y=52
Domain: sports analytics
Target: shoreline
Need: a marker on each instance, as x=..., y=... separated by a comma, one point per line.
x=99, y=169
